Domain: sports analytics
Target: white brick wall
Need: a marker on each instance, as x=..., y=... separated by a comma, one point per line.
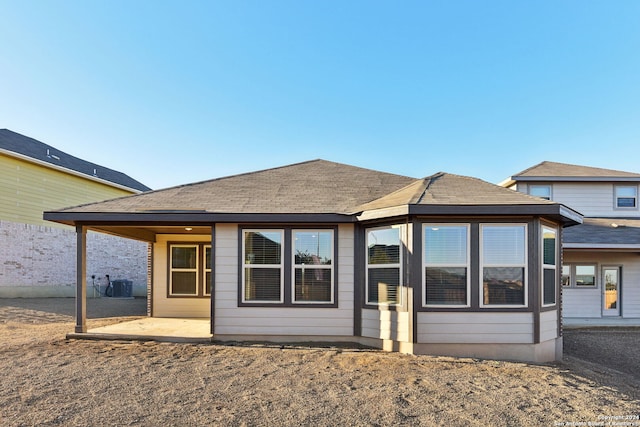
x=40, y=256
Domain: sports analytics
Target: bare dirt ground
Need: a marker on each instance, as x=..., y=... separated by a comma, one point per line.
x=48, y=380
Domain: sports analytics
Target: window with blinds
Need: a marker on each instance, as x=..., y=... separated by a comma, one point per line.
x=263, y=266
x=384, y=258
x=549, y=261
x=503, y=265
x=189, y=270
x=446, y=265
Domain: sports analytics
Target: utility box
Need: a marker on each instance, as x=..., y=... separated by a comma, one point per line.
x=122, y=288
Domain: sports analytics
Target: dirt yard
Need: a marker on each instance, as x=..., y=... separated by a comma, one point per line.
x=48, y=380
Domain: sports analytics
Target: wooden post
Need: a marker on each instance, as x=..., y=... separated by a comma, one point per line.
x=81, y=279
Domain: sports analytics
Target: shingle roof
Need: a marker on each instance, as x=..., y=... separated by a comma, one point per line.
x=316, y=186
x=552, y=169
x=32, y=148
x=449, y=189
x=604, y=232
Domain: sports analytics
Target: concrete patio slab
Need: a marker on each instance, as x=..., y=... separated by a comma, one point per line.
x=152, y=329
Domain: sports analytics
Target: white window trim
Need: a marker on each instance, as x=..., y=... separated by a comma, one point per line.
x=207, y=269
x=323, y=267
x=573, y=275
x=615, y=198
x=548, y=266
x=483, y=265
x=186, y=270
x=398, y=266
x=549, y=186
x=425, y=265
x=273, y=266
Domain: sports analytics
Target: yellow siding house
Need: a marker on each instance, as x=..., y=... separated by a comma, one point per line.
x=34, y=254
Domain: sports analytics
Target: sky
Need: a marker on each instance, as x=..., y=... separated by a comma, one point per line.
x=172, y=92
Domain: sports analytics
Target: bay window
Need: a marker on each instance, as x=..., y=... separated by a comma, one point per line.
x=503, y=265
x=549, y=254
x=383, y=262
x=446, y=265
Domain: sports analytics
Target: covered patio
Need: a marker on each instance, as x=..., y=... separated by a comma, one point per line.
x=152, y=329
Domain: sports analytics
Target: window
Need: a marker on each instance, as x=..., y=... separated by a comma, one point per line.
x=189, y=270
x=312, y=266
x=542, y=191
x=566, y=275
x=579, y=276
x=503, y=265
x=383, y=265
x=585, y=275
x=626, y=197
x=263, y=278
x=548, y=266
x=446, y=265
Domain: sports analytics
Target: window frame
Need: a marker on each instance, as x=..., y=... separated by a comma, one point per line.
x=467, y=265
x=482, y=265
x=314, y=267
x=244, y=265
x=367, y=266
x=544, y=266
x=201, y=269
x=548, y=186
x=616, y=198
x=573, y=275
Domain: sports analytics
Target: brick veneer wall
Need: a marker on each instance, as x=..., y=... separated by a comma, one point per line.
x=36, y=256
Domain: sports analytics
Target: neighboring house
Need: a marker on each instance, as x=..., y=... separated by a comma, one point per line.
x=37, y=257
x=322, y=251
x=601, y=266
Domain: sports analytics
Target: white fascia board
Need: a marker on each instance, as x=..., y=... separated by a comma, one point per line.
x=571, y=214
x=68, y=171
x=623, y=246
x=577, y=178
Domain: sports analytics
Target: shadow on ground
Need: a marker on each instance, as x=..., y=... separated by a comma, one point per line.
x=51, y=310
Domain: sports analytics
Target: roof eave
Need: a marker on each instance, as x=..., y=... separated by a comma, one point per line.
x=186, y=217
x=516, y=179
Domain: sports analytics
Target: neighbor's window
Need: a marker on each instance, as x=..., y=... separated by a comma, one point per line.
x=585, y=275
x=313, y=266
x=549, y=250
x=503, y=265
x=542, y=191
x=183, y=270
x=626, y=196
x=446, y=265
x=383, y=265
x=262, y=253
x=579, y=276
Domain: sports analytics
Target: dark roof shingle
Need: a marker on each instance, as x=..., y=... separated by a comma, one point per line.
x=316, y=186
x=604, y=231
x=29, y=147
x=548, y=169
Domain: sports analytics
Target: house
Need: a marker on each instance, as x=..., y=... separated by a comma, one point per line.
x=600, y=266
x=322, y=251
x=37, y=257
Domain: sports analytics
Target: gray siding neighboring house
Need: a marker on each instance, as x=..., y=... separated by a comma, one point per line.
x=601, y=267
x=37, y=257
x=323, y=251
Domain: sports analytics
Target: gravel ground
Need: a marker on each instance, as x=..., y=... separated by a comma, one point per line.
x=48, y=380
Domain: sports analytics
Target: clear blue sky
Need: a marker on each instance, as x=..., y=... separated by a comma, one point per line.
x=172, y=92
